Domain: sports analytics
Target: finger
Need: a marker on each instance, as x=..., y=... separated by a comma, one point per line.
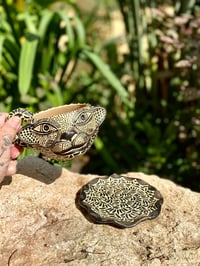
x=11, y=127
x=7, y=134
x=12, y=168
x=2, y=119
x=15, y=151
x=3, y=168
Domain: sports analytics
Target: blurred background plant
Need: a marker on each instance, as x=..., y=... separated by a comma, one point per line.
x=139, y=59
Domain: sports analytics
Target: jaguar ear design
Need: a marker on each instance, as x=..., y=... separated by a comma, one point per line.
x=24, y=114
x=99, y=114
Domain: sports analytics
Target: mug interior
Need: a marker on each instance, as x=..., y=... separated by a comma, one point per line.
x=59, y=110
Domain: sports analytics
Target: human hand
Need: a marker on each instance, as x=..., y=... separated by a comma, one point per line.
x=8, y=151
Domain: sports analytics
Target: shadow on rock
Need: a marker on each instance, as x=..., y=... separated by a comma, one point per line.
x=38, y=169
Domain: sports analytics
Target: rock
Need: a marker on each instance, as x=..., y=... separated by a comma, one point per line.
x=41, y=224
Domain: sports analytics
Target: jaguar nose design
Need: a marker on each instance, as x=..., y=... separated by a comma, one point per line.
x=68, y=135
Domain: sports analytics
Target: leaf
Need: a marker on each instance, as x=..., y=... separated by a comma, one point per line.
x=2, y=38
x=9, y=51
x=69, y=30
x=46, y=50
x=46, y=18
x=80, y=32
x=108, y=74
x=26, y=62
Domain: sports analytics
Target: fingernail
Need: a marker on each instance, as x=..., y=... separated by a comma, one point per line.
x=14, y=121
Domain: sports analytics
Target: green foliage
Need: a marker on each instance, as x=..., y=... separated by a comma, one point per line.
x=163, y=62
x=52, y=53
x=41, y=49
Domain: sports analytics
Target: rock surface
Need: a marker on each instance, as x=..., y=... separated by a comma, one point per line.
x=41, y=225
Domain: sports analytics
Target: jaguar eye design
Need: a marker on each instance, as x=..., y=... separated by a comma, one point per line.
x=44, y=128
x=83, y=118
